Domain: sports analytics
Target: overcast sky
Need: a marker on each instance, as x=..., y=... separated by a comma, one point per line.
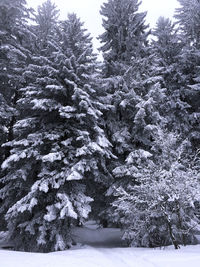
x=88, y=11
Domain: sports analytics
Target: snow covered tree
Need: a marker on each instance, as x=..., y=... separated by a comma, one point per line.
x=151, y=204
x=132, y=90
x=124, y=35
x=60, y=146
x=47, y=20
x=123, y=42
x=15, y=41
x=5, y=113
x=167, y=43
x=13, y=51
x=77, y=42
x=75, y=38
x=126, y=57
x=188, y=16
x=167, y=48
x=157, y=206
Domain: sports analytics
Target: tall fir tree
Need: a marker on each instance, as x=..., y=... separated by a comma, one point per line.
x=15, y=40
x=60, y=146
x=77, y=42
x=46, y=23
x=167, y=47
x=132, y=90
x=14, y=37
x=124, y=36
x=188, y=17
x=124, y=40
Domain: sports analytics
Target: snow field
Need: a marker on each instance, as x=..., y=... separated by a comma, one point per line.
x=103, y=250
x=105, y=257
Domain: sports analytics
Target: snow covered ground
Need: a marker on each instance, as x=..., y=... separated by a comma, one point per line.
x=103, y=250
x=105, y=257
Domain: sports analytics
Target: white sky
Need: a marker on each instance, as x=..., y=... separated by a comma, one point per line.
x=88, y=11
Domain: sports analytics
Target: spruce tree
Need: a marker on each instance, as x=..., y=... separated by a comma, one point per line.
x=46, y=22
x=60, y=147
x=124, y=41
x=133, y=92
x=14, y=33
x=188, y=17
x=167, y=48
x=124, y=35
x=15, y=40
x=77, y=42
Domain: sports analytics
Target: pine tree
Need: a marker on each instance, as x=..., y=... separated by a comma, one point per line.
x=60, y=146
x=46, y=22
x=124, y=35
x=126, y=56
x=77, y=42
x=124, y=41
x=167, y=43
x=132, y=87
x=167, y=48
x=188, y=16
x=5, y=113
x=13, y=35
x=15, y=40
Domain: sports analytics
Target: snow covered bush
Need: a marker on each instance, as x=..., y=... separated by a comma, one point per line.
x=156, y=208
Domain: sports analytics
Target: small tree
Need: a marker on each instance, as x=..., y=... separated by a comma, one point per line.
x=156, y=207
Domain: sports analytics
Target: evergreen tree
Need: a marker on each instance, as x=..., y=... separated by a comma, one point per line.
x=13, y=48
x=77, y=42
x=132, y=90
x=167, y=48
x=5, y=113
x=188, y=16
x=60, y=146
x=124, y=41
x=15, y=40
x=167, y=43
x=46, y=23
x=124, y=35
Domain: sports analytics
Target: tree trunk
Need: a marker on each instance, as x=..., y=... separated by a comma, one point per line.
x=173, y=239
x=180, y=223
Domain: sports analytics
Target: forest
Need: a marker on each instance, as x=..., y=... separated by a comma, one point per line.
x=115, y=140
